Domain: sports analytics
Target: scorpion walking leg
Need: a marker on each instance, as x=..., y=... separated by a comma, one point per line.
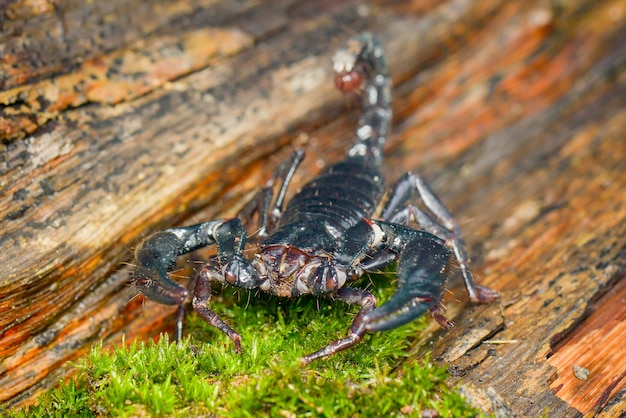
x=180, y=317
x=262, y=201
x=182, y=309
x=200, y=303
x=350, y=295
x=230, y=267
x=444, y=226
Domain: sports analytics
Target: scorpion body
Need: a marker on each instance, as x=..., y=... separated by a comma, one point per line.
x=326, y=237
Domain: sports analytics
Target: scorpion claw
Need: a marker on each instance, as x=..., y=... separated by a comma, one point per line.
x=422, y=268
x=395, y=313
x=155, y=256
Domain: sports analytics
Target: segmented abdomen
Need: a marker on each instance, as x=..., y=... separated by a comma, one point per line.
x=339, y=197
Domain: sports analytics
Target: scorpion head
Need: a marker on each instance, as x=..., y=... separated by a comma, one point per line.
x=241, y=273
x=287, y=270
x=320, y=276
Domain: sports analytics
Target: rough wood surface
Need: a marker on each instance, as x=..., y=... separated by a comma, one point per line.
x=590, y=363
x=123, y=117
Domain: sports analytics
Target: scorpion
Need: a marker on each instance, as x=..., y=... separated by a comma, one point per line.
x=327, y=236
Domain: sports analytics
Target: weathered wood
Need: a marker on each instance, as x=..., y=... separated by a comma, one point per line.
x=564, y=247
x=545, y=200
x=590, y=362
x=514, y=111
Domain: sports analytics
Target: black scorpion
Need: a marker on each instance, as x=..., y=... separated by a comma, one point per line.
x=326, y=236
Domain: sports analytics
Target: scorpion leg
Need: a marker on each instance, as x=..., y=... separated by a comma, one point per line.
x=444, y=226
x=231, y=267
x=350, y=295
x=235, y=269
x=262, y=201
x=201, y=298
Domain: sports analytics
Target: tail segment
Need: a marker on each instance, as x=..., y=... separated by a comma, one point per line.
x=360, y=66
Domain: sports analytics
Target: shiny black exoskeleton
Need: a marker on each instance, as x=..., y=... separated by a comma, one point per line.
x=326, y=236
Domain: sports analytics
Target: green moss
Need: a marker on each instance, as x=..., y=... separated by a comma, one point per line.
x=202, y=375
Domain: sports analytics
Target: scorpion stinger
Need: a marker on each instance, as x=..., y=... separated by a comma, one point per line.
x=325, y=237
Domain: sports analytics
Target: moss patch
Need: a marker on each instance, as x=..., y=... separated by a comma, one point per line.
x=202, y=375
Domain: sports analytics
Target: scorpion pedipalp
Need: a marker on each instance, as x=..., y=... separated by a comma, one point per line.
x=155, y=257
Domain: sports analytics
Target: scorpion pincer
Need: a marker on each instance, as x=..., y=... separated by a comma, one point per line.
x=326, y=237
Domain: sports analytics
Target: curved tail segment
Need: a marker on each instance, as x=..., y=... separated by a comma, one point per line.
x=360, y=66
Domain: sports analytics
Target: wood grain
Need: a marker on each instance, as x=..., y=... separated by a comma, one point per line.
x=595, y=346
x=121, y=119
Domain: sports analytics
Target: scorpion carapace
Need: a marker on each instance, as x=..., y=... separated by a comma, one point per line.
x=326, y=236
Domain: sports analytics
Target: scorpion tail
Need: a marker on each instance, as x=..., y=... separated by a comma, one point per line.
x=422, y=271
x=360, y=66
